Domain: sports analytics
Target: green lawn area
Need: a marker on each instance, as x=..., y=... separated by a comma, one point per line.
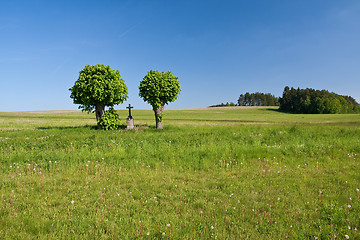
x=222, y=173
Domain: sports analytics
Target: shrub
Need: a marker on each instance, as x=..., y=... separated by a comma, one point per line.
x=110, y=120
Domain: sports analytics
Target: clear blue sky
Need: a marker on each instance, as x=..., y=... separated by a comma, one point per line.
x=218, y=49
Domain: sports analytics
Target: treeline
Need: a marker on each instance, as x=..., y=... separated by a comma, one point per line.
x=300, y=101
x=253, y=99
x=316, y=101
x=224, y=105
x=258, y=99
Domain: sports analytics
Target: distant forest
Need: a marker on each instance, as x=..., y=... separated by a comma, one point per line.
x=315, y=101
x=300, y=101
x=253, y=99
x=258, y=99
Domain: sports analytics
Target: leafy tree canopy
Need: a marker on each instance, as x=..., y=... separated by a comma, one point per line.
x=98, y=85
x=159, y=88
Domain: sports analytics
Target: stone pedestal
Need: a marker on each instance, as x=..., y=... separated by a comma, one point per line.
x=129, y=123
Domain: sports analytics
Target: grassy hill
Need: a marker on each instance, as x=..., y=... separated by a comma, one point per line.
x=221, y=173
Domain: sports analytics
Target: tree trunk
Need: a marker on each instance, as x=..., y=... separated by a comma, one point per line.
x=100, y=111
x=158, y=116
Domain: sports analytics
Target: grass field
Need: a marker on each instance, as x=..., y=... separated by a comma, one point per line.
x=221, y=173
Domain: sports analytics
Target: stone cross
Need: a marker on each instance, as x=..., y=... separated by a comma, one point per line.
x=129, y=107
x=129, y=120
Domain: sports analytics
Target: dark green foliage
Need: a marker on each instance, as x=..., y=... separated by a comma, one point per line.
x=253, y=99
x=227, y=104
x=110, y=120
x=258, y=99
x=315, y=101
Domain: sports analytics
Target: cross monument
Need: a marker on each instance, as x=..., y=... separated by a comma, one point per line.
x=129, y=119
x=129, y=107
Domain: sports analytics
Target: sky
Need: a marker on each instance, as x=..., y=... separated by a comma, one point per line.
x=217, y=49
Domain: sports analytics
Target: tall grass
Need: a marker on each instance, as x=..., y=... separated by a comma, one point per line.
x=190, y=181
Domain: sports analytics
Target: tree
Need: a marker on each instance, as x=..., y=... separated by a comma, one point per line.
x=159, y=88
x=98, y=86
x=241, y=100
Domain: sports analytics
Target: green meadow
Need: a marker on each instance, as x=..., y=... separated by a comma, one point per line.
x=215, y=173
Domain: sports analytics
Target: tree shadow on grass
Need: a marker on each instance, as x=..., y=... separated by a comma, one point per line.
x=95, y=127
x=275, y=110
x=89, y=127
